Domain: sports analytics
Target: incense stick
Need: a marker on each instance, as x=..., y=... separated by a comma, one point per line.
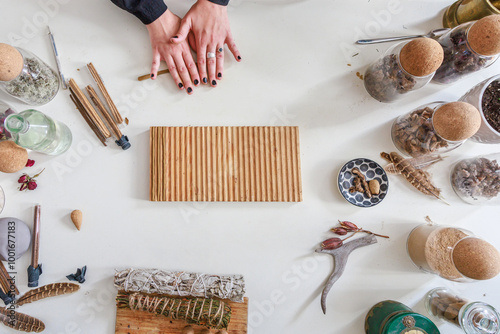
x=97, y=78
x=35, y=246
x=5, y=283
x=89, y=109
x=89, y=121
x=107, y=116
x=148, y=76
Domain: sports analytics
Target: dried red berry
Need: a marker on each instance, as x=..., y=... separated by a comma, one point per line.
x=339, y=230
x=349, y=226
x=332, y=243
x=22, y=179
x=30, y=163
x=32, y=185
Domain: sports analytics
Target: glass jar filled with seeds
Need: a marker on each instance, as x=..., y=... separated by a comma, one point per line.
x=435, y=128
x=477, y=180
x=471, y=317
x=469, y=48
x=404, y=68
x=452, y=253
x=25, y=77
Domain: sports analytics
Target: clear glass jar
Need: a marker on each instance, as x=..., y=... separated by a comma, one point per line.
x=5, y=110
x=477, y=180
x=36, y=131
x=413, y=134
x=387, y=81
x=2, y=199
x=37, y=83
x=489, y=132
x=459, y=58
x=469, y=10
x=452, y=253
x=471, y=317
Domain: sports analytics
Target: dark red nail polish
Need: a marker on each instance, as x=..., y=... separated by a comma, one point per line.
x=205, y=80
x=176, y=36
x=152, y=75
x=189, y=90
x=214, y=82
x=196, y=82
x=219, y=75
x=180, y=85
x=239, y=58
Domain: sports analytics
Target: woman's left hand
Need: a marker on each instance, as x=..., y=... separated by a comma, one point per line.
x=209, y=25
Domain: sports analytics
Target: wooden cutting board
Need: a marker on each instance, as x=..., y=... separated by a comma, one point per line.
x=231, y=164
x=140, y=322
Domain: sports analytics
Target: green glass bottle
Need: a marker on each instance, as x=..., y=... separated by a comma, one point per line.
x=36, y=131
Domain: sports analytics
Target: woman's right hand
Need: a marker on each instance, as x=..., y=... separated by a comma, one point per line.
x=178, y=56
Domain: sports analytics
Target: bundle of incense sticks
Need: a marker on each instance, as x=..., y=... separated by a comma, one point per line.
x=106, y=123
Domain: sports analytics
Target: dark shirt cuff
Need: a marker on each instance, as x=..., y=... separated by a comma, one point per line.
x=220, y=2
x=145, y=10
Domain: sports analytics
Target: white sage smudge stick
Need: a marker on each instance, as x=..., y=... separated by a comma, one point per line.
x=180, y=283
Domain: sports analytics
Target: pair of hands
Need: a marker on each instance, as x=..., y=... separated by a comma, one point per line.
x=205, y=29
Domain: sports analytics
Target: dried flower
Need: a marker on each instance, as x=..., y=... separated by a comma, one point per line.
x=30, y=163
x=28, y=182
x=332, y=243
x=349, y=226
x=339, y=230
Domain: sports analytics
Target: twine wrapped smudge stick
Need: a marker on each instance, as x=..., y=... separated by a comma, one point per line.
x=212, y=313
x=182, y=284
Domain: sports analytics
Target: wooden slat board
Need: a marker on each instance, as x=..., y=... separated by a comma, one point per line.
x=140, y=322
x=230, y=164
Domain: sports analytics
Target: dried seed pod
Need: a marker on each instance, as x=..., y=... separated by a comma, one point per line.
x=374, y=187
x=348, y=226
x=339, y=230
x=332, y=243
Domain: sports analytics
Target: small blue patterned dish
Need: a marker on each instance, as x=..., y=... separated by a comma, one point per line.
x=372, y=171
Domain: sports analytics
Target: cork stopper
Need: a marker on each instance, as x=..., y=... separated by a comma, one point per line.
x=484, y=36
x=456, y=121
x=476, y=259
x=13, y=158
x=421, y=56
x=11, y=62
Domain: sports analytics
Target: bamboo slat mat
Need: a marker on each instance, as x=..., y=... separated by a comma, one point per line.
x=231, y=164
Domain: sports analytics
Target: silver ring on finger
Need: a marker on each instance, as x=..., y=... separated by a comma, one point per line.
x=210, y=55
x=219, y=50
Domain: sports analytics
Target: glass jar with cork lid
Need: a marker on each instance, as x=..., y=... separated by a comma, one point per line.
x=469, y=48
x=435, y=128
x=452, y=253
x=477, y=180
x=26, y=77
x=404, y=68
x=471, y=317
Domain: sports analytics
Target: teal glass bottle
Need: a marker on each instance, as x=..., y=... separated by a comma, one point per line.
x=36, y=131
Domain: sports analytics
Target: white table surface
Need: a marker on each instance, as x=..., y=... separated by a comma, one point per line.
x=294, y=72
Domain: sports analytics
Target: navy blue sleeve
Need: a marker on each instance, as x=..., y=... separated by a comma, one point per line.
x=145, y=10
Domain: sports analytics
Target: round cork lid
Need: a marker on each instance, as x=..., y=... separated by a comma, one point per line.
x=456, y=121
x=11, y=62
x=13, y=158
x=421, y=56
x=484, y=36
x=476, y=259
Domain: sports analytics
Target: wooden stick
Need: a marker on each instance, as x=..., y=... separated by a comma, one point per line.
x=5, y=280
x=88, y=108
x=97, y=78
x=89, y=121
x=148, y=76
x=107, y=116
x=35, y=246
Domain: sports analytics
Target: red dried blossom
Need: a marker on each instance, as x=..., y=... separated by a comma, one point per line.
x=332, y=243
x=30, y=163
x=339, y=230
